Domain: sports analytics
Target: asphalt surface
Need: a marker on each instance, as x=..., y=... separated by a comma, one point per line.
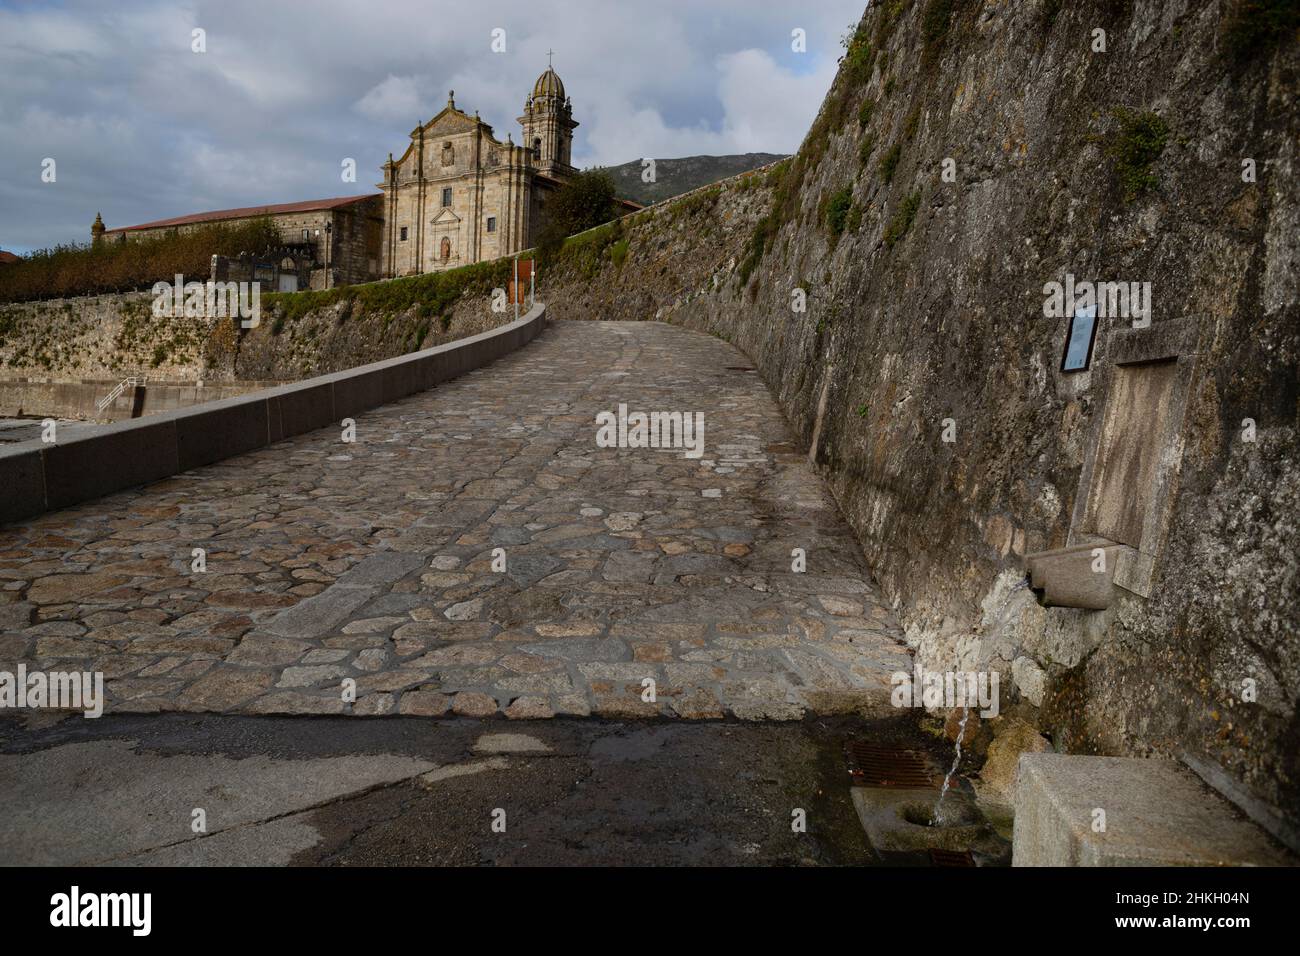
x=127, y=790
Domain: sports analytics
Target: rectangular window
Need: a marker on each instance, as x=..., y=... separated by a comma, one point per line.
x=403, y=235
x=306, y=237
x=492, y=223
x=446, y=196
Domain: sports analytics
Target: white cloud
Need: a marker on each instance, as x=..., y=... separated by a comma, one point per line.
x=145, y=128
x=396, y=99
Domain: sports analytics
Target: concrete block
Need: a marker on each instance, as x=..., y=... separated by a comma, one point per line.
x=357, y=391
x=117, y=456
x=218, y=430
x=403, y=377
x=1065, y=577
x=898, y=819
x=1157, y=813
x=22, y=475
x=297, y=409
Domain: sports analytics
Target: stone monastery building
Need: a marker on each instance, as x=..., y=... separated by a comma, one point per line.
x=457, y=195
x=460, y=195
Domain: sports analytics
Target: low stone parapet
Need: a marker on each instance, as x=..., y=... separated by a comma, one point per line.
x=39, y=476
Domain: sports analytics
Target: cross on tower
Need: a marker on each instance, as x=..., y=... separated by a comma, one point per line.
x=549, y=54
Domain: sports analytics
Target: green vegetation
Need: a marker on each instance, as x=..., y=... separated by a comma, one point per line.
x=582, y=203
x=701, y=201
x=1050, y=10
x=676, y=176
x=865, y=110
x=934, y=27
x=122, y=266
x=763, y=232
x=912, y=124
x=903, y=218
x=587, y=252
x=1141, y=140
x=889, y=162
x=859, y=57
x=837, y=209
x=888, y=14
x=433, y=292
x=855, y=218
x=865, y=148
x=1253, y=27
x=618, y=253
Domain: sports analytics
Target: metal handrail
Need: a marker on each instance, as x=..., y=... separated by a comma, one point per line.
x=131, y=381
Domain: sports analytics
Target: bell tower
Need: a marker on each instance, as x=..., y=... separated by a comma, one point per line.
x=548, y=125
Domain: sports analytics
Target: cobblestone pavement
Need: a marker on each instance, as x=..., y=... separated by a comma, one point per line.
x=373, y=560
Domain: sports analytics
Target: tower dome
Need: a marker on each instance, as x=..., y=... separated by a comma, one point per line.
x=548, y=84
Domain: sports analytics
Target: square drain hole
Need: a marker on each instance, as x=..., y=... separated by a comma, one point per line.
x=871, y=765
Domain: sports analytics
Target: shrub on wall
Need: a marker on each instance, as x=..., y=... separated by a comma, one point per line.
x=123, y=266
x=583, y=202
x=433, y=293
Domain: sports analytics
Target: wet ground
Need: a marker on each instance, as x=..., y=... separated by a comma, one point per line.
x=124, y=790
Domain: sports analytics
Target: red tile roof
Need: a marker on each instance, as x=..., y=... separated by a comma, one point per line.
x=245, y=212
x=7, y=257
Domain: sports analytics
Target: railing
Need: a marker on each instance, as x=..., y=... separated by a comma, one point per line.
x=132, y=381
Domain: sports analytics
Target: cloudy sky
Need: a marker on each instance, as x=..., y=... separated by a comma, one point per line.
x=141, y=127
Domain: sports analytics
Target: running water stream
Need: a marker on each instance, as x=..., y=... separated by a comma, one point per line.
x=965, y=713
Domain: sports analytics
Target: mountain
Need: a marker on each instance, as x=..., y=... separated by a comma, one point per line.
x=676, y=176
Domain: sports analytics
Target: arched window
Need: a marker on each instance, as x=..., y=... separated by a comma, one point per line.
x=537, y=147
x=446, y=248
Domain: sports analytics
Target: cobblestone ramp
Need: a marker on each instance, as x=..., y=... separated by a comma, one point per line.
x=373, y=560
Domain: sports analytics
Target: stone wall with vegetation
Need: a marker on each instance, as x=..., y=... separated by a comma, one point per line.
x=925, y=303
x=299, y=335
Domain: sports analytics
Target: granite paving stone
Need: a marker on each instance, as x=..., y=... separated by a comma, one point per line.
x=475, y=551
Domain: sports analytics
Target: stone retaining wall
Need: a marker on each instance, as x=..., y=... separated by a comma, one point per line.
x=925, y=306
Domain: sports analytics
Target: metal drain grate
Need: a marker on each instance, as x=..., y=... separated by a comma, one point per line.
x=951, y=858
x=871, y=765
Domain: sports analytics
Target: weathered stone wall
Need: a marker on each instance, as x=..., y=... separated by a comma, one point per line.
x=22, y=398
x=93, y=337
x=925, y=303
x=356, y=250
x=97, y=339
x=356, y=239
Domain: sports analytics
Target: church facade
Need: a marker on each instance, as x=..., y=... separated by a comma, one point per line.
x=459, y=195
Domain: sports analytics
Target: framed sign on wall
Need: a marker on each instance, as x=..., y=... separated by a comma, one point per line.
x=1079, y=340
